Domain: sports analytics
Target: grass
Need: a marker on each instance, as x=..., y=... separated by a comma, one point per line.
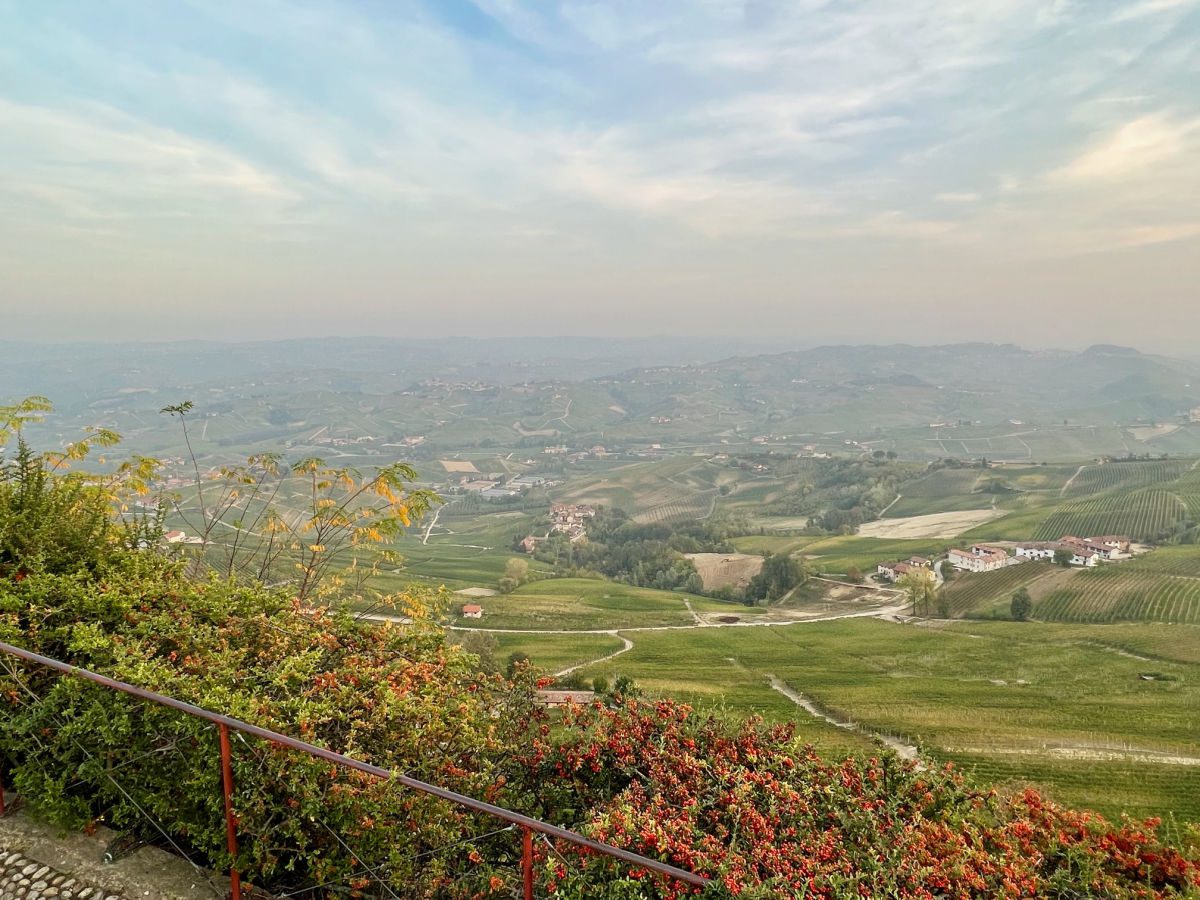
x=592, y=604
x=998, y=693
x=838, y=554
x=555, y=652
x=945, y=490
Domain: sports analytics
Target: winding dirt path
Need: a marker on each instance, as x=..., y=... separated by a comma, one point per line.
x=903, y=750
x=591, y=662
x=1071, y=480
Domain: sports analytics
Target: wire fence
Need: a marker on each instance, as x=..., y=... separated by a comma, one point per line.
x=525, y=840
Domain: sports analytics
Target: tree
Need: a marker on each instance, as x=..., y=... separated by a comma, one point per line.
x=517, y=570
x=1063, y=556
x=328, y=539
x=1022, y=605
x=780, y=573
x=920, y=587
x=854, y=575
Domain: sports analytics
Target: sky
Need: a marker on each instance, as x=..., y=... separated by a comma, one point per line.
x=901, y=170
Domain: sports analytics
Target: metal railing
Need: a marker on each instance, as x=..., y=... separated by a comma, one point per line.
x=225, y=724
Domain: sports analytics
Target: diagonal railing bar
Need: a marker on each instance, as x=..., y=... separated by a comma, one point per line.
x=527, y=824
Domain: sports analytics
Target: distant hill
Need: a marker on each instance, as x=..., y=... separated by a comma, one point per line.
x=966, y=400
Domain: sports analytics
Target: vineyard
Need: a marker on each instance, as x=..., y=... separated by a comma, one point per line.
x=1126, y=475
x=973, y=593
x=946, y=490
x=1124, y=594
x=1144, y=515
x=696, y=506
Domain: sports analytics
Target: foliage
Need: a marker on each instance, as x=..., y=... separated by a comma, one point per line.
x=758, y=810
x=645, y=555
x=399, y=697
x=780, y=573
x=1022, y=605
x=332, y=543
x=921, y=590
x=840, y=495
x=745, y=803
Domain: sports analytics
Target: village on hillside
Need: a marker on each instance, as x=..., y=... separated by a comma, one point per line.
x=1068, y=550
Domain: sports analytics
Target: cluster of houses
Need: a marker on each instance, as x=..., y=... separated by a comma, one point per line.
x=980, y=558
x=1088, y=551
x=571, y=519
x=565, y=518
x=894, y=571
x=497, y=486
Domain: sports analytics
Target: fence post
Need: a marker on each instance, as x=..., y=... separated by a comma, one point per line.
x=527, y=861
x=3, y=811
x=235, y=879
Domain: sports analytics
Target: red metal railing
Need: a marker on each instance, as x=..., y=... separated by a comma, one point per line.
x=224, y=723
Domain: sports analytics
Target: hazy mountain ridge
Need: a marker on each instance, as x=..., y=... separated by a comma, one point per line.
x=458, y=394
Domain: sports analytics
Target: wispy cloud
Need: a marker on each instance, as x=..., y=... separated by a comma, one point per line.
x=1134, y=149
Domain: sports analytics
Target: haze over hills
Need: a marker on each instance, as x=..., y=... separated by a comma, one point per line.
x=991, y=400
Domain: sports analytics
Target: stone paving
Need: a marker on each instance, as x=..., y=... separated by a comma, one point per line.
x=22, y=878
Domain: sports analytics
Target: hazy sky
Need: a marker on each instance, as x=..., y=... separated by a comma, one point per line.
x=929, y=170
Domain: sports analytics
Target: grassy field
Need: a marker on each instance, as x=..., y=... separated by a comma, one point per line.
x=593, y=604
x=555, y=652
x=945, y=490
x=1055, y=705
x=839, y=554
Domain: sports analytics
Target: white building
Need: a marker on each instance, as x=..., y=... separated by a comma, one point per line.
x=1040, y=550
x=970, y=561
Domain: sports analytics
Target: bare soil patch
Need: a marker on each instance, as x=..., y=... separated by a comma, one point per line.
x=720, y=569
x=935, y=525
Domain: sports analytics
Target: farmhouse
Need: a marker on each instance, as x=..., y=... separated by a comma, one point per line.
x=1084, y=551
x=1090, y=545
x=562, y=698
x=529, y=543
x=1119, y=542
x=472, y=611
x=175, y=537
x=985, y=550
x=893, y=571
x=987, y=561
x=920, y=562
x=1037, y=550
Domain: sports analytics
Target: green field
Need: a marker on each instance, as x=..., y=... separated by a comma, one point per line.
x=592, y=604
x=555, y=652
x=945, y=490
x=839, y=554
x=1055, y=705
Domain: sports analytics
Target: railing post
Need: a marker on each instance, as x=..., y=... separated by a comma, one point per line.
x=527, y=861
x=235, y=879
x=2, y=809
